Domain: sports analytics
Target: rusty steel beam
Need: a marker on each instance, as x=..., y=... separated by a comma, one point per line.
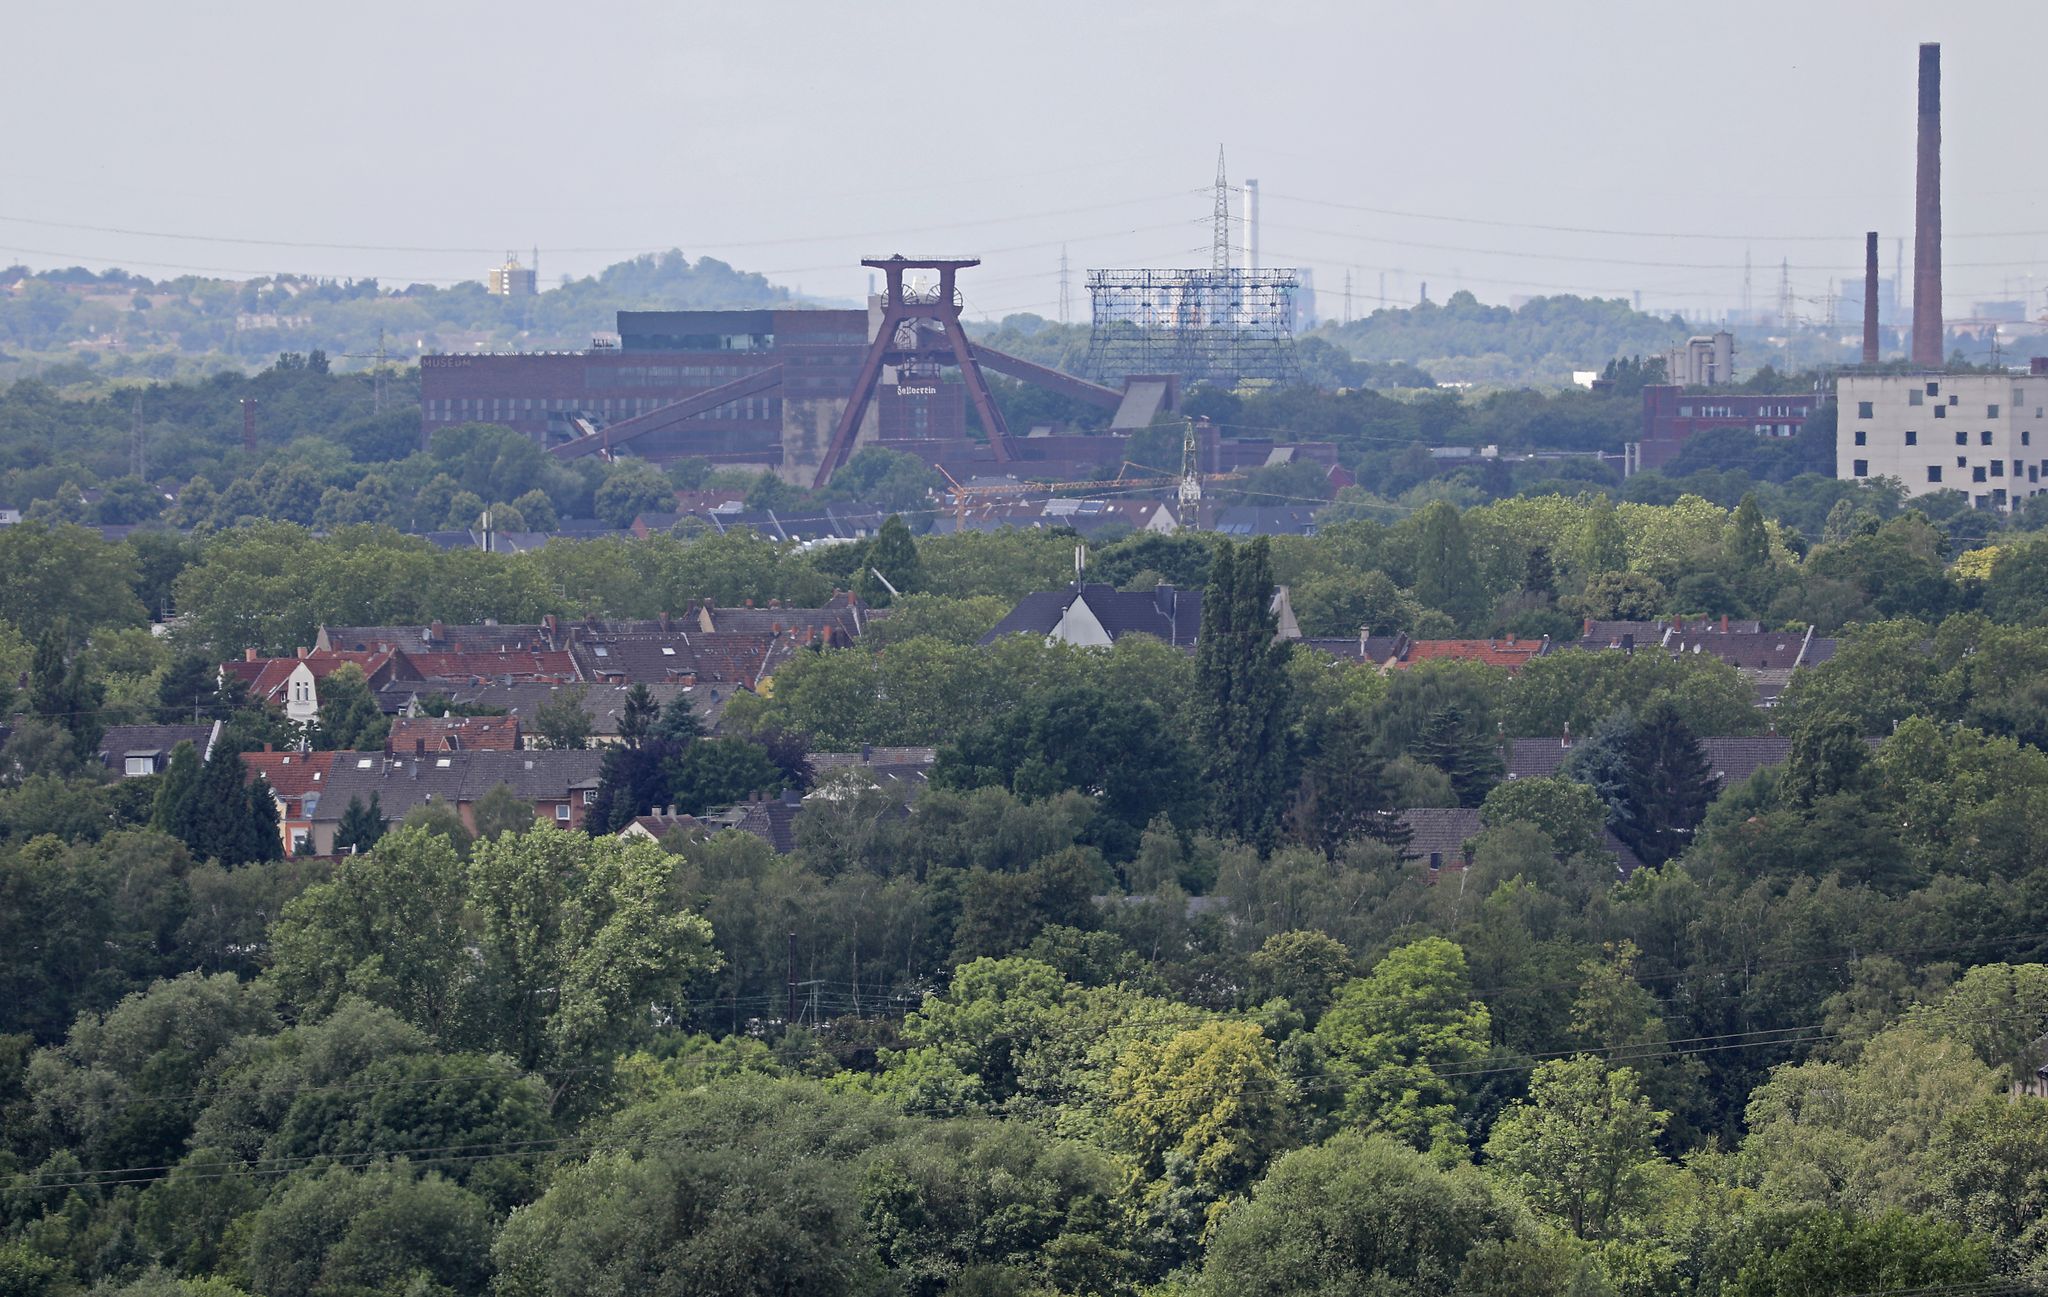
x=1052, y=380
x=670, y=417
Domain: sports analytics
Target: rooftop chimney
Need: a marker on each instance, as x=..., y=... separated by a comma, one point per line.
x=1927, y=337
x=1870, y=348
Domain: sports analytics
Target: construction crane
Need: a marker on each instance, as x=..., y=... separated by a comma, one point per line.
x=965, y=498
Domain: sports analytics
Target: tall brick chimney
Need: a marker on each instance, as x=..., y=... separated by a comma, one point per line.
x=1927, y=335
x=1870, y=347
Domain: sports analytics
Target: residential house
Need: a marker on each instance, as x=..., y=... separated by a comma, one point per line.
x=1097, y=614
x=603, y=703
x=132, y=751
x=902, y=773
x=1377, y=650
x=686, y=657
x=1266, y=520
x=1506, y=652
x=454, y=734
x=559, y=785
x=439, y=637
x=297, y=780
x=506, y=665
x=1086, y=516
x=292, y=684
x=1441, y=837
x=1766, y=659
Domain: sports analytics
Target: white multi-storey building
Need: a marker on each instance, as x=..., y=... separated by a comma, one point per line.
x=1973, y=433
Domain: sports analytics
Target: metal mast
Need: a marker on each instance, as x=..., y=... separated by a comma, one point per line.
x=1219, y=252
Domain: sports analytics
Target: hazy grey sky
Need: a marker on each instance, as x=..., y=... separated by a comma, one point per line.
x=791, y=138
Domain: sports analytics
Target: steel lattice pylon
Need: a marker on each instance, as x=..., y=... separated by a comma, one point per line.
x=1218, y=326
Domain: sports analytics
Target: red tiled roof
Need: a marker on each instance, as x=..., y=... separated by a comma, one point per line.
x=455, y=733
x=1510, y=654
x=266, y=677
x=520, y=664
x=291, y=774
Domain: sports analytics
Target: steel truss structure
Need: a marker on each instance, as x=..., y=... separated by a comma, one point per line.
x=1224, y=326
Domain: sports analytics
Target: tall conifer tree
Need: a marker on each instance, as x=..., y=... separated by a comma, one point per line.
x=1241, y=679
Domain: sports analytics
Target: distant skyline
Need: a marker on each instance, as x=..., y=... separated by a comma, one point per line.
x=1507, y=149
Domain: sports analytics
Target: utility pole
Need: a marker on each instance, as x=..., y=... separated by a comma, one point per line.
x=1063, y=284
x=1347, y=296
x=790, y=1021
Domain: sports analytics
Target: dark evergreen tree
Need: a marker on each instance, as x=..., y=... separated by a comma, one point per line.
x=60, y=693
x=630, y=782
x=360, y=825
x=637, y=717
x=679, y=723
x=893, y=553
x=1666, y=786
x=260, y=838
x=1470, y=756
x=1600, y=761
x=172, y=812
x=226, y=822
x=1241, y=687
x=1539, y=572
x=1343, y=792
x=1445, y=578
x=189, y=690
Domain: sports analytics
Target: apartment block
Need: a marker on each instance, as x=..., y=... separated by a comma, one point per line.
x=1974, y=433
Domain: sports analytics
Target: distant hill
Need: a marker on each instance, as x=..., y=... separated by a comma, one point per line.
x=122, y=324
x=1541, y=342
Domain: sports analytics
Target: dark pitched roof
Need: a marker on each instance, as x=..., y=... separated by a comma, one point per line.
x=404, y=781
x=682, y=656
x=1438, y=834
x=118, y=741
x=772, y=819
x=1171, y=614
x=602, y=702
x=1267, y=520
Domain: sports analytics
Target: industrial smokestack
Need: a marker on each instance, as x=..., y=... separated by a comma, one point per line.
x=1870, y=298
x=1251, y=225
x=1927, y=334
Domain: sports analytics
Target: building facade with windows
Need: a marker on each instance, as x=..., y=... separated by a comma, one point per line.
x=1980, y=434
x=1671, y=415
x=662, y=358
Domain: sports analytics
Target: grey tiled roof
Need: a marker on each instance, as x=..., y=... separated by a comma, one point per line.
x=120, y=740
x=405, y=781
x=604, y=703
x=1171, y=614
